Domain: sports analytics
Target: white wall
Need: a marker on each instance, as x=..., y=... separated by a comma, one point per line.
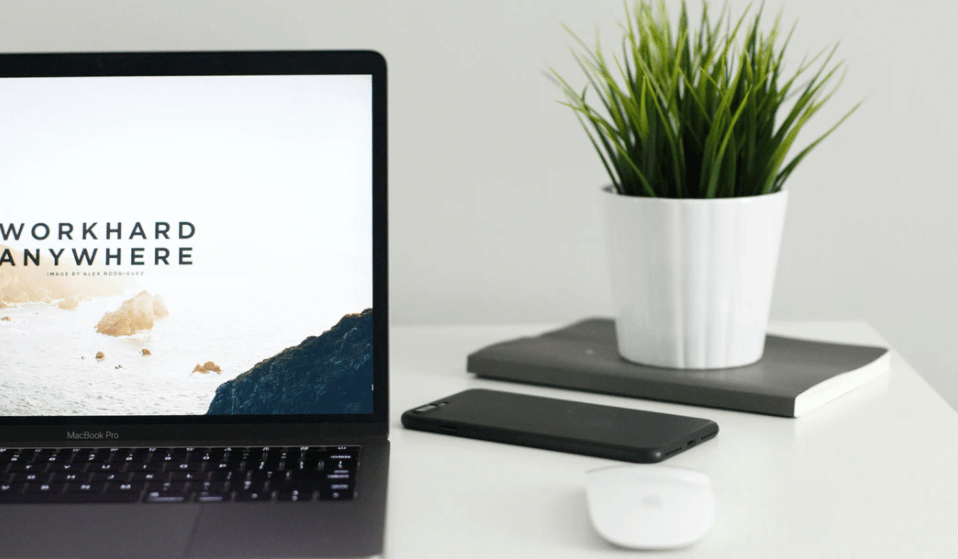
x=494, y=211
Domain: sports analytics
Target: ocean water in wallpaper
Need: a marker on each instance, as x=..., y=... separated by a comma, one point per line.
x=203, y=336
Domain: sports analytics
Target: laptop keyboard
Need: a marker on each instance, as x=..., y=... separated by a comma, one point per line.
x=178, y=475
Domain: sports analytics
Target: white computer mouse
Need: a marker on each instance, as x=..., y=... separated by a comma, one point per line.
x=645, y=506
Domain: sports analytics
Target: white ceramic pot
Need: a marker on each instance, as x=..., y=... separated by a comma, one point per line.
x=692, y=279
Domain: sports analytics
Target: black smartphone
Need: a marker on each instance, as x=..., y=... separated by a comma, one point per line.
x=562, y=425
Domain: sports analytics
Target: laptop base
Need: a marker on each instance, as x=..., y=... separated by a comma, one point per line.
x=236, y=529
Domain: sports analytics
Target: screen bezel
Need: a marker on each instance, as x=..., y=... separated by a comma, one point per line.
x=196, y=429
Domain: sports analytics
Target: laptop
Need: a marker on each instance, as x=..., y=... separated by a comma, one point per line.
x=193, y=304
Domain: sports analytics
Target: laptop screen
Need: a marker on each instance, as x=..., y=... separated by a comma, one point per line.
x=186, y=246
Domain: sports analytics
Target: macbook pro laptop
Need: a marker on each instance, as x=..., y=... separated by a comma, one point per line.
x=193, y=304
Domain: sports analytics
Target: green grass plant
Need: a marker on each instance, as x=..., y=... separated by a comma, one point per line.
x=698, y=114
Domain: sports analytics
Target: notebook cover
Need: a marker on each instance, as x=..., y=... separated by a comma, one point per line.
x=584, y=356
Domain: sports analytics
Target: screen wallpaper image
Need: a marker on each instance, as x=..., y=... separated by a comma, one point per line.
x=186, y=246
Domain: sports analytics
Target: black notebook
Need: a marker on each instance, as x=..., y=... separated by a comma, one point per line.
x=793, y=377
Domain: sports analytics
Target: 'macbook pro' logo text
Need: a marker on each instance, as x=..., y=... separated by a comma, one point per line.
x=92, y=435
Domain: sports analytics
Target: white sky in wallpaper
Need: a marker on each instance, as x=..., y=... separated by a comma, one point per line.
x=260, y=165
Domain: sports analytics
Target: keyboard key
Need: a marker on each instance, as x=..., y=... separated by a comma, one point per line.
x=146, y=467
x=6, y=454
x=148, y=476
x=307, y=479
x=60, y=467
x=93, y=455
x=265, y=454
x=344, y=453
x=59, y=458
x=44, y=488
x=125, y=487
x=213, y=496
x=209, y=455
x=81, y=487
x=183, y=467
x=171, y=455
x=221, y=475
x=169, y=487
x=167, y=497
x=335, y=495
x=271, y=465
x=260, y=475
x=117, y=458
x=233, y=456
x=312, y=459
x=252, y=496
x=12, y=460
x=67, y=476
x=340, y=464
x=131, y=455
x=295, y=475
x=26, y=467
x=108, y=476
x=295, y=495
x=184, y=476
x=232, y=466
x=211, y=486
x=251, y=486
x=26, y=477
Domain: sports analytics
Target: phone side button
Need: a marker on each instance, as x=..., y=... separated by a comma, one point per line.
x=448, y=430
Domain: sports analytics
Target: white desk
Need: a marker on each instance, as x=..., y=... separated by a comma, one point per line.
x=873, y=474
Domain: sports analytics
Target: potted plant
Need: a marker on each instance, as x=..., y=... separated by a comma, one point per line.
x=693, y=128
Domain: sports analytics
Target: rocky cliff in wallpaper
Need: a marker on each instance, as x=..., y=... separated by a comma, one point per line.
x=136, y=314
x=327, y=374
